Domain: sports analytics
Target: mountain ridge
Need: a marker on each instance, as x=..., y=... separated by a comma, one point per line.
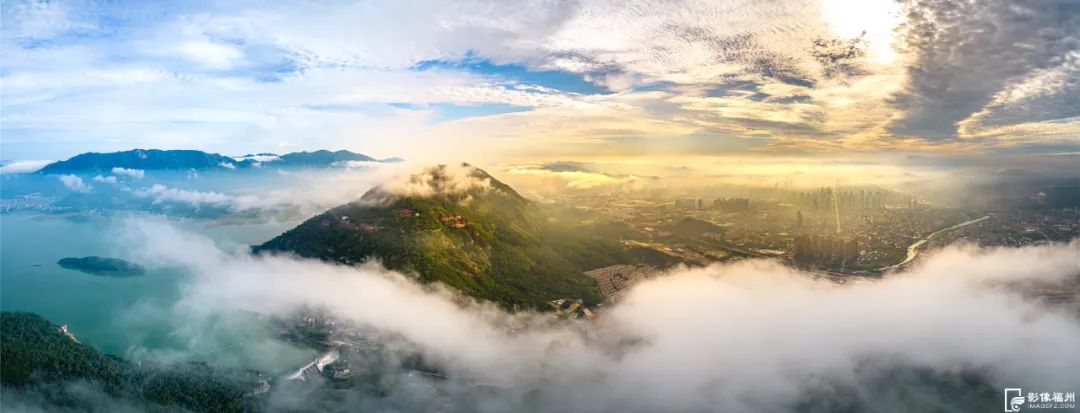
x=186, y=159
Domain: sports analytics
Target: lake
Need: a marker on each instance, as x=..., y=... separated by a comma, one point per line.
x=134, y=317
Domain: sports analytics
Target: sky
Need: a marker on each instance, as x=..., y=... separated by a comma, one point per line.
x=994, y=83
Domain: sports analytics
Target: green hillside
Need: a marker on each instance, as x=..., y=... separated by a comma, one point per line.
x=35, y=354
x=486, y=240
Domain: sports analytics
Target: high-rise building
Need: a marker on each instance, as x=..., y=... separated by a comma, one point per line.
x=689, y=203
x=731, y=204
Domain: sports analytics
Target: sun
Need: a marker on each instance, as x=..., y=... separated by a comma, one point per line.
x=876, y=20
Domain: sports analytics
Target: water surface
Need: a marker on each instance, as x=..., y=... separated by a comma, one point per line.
x=135, y=317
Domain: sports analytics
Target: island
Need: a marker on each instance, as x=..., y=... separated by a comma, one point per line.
x=103, y=266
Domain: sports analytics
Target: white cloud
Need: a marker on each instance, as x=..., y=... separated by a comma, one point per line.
x=210, y=54
x=955, y=73
x=132, y=173
x=752, y=336
x=105, y=179
x=22, y=167
x=310, y=191
x=39, y=19
x=346, y=64
x=53, y=81
x=259, y=158
x=303, y=193
x=359, y=164
x=162, y=193
x=229, y=77
x=442, y=179
x=74, y=183
x=1042, y=94
x=575, y=179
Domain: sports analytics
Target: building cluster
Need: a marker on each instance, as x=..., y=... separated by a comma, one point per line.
x=573, y=309
x=345, y=222
x=1016, y=228
x=690, y=203
x=829, y=198
x=31, y=202
x=720, y=204
x=862, y=229
x=731, y=204
x=617, y=279
x=454, y=220
x=316, y=367
x=819, y=248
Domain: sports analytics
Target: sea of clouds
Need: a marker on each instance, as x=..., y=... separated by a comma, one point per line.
x=748, y=336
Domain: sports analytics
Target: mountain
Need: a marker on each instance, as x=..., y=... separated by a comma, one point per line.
x=156, y=159
x=38, y=356
x=321, y=158
x=145, y=159
x=461, y=227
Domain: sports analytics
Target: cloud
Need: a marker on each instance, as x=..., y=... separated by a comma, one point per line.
x=817, y=76
x=359, y=164
x=212, y=55
x=161, y=193
x=105, y=179
x=969, y=55
x=311, y=192
x=262, y=158
x=574, y=175
x=430, y=181
x=22, y=167
x=575, y=179
x=131, y=173
x=288, y=193
x=74, y=183
x=1047, y=94
x=750, y=336
x=306, y=62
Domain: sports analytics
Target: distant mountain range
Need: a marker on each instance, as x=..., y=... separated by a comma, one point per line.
x=483, y=239
x=155, y=159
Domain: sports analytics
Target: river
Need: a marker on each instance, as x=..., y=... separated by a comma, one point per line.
x=913, y=249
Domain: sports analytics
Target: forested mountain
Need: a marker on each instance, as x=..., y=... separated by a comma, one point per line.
x=145, y=159
x=36, y=355
x=156, y=159
x=321, y=158
x=480, y=237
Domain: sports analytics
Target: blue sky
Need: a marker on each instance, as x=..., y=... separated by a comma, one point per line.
x=509, y=79
x=516, y=72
